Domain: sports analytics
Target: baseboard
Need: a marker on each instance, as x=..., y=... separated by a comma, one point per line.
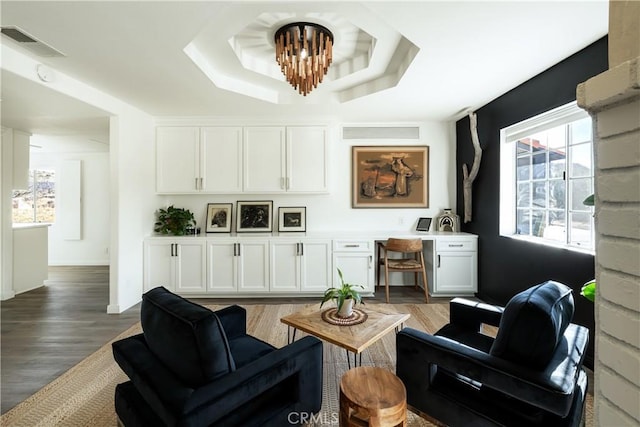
x=72, y=263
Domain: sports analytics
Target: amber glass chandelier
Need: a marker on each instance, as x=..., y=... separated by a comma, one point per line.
x=304, y=53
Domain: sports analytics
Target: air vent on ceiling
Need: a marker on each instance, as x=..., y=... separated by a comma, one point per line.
x=29, y=42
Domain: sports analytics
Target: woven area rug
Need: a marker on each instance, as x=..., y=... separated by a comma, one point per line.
x=83, y=396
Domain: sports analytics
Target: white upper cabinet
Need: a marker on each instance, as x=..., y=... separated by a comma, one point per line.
x=307, y=159
x=177, y=159
x=251, y=160
x=199, y=160
x=221, y=159
x=264, y=160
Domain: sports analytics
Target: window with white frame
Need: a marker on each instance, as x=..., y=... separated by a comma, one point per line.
x=38, y=202
x=546, y=173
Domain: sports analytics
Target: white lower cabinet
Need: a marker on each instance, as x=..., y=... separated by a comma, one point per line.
x=355, y=259
x=177, y=264
x=288, y=265
x=456, y=267
x=300, y=265
x=235, y=266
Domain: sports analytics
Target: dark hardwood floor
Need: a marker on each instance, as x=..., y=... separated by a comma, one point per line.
x=46, y=331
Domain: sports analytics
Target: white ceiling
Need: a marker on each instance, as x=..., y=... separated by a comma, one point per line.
x=469, y=53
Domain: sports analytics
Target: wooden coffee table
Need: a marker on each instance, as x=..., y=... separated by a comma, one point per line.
x=356, y=338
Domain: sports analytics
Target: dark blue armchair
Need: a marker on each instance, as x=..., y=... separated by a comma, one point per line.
x=529, y=375
x=195, y=367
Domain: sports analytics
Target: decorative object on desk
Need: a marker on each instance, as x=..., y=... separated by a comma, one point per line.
x=469, y=177
x=254, y=216
x=423, y=224
x=330, y=315
x=219, y=217
x=448, y=221
x=345, y=296
x=175, y=221
x=390, y=177
x=292, y=219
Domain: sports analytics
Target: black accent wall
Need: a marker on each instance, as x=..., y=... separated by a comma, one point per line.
x=507, y=266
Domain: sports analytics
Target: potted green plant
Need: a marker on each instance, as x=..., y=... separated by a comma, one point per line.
x=588, y=290
x=174, y=221
x=345, y=296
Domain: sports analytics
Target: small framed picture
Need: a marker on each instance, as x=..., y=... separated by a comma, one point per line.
x=254, y=216
x=219, y=217
x=292, y=219
x=423, y=224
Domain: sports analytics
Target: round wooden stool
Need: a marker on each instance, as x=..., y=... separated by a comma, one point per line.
x=372, y=396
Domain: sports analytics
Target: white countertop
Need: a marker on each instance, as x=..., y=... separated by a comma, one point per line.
x=338, y=234
x=31, y=225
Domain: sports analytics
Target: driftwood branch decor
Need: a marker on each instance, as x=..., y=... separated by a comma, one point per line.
x=469, y=177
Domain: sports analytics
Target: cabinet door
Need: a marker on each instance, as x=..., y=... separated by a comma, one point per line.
x=285, y=266
x=221, y=159
x=456, y=273
x=315, y=265
x=221, y=267
x=264, y=160
x=356, y=267
x=190, y=267
x=158, y=264
x=177, y=160
x=253, y=266
x=307, y=150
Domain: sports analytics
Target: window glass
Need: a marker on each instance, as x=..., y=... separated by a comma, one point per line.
x=552, y=157
x=37, y=203
x=581, y=131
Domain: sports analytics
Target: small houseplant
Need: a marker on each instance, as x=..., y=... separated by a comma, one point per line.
x=346, y=296
x=174, y=221
x=588, y=290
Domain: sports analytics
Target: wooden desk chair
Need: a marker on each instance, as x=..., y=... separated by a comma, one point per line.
x=412, y=260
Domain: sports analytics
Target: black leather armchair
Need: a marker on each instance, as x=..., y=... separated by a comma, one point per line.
x=529, y=375
x=195, y=367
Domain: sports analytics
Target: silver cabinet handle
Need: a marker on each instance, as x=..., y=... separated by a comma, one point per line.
x=351, y=246
x=239, y=251
x=438, y=261
x=196, y=180
x=201, y=184
x=301, y=249
x=456, y=246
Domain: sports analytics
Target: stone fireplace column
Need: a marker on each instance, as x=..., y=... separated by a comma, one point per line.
x=613, y=100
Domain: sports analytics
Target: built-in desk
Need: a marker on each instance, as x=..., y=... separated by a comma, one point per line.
x=298, y=264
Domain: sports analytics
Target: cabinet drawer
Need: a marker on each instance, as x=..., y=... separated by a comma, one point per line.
x=353, y=245
x=456, y=245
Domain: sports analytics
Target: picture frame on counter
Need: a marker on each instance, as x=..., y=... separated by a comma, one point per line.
x=292, y=219
x=254, y=216
x=219, y=216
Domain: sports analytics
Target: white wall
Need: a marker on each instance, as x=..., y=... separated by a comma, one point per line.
x=92, y=248
x=130, y=180
x=333, y=211
x=133, y=202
